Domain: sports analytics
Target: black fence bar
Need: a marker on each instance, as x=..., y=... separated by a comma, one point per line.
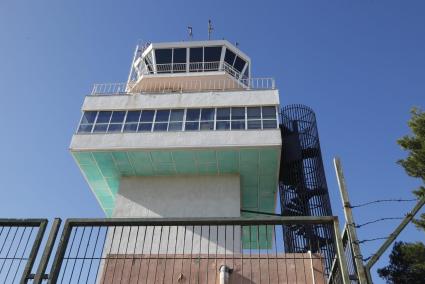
x=20, y=241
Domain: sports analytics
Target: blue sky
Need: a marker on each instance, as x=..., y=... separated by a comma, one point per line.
x=359, y=64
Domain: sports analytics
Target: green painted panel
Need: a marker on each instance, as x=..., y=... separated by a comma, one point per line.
x=209, y=169
x=206, y=157
x=250, y=197
x=184, y=156
x=84, y=158
x=161, y=157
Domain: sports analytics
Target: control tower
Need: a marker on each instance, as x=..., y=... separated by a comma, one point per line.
x=190, y=134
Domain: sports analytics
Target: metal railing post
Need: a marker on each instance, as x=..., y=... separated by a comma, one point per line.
x=60, y=253
x=342, y=261
x=39, y=275
x=34, y=250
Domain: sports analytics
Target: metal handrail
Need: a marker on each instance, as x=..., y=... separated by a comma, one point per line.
x=187, y=86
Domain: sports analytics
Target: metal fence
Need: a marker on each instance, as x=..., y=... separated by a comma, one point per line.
x=20, y=240
x=186, y=250
x=190, y=251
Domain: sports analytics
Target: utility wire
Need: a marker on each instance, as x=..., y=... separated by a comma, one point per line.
x=378, y=220
x=383, y=200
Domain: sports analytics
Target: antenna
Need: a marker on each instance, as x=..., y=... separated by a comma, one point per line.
x=236, y=44
x=190, y=31
x=210, y=29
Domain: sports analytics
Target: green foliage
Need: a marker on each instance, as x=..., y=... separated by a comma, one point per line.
x=407, y=264
x=414, y=163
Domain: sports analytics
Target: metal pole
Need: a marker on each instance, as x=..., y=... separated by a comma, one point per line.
x=351, y=229
x=39, y=275
x=375, y=257
x=342, y=260
x=33, y=254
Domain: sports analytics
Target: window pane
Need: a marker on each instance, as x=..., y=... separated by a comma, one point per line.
x=192, y=114
x=179, y=55
x=89, y=117
x=269, y=112
x=147, y=116
x=253, y=112
x=238, y=113
x=160, y=126
x=162, y=115
x=254, y=124
x=133, y=116
x=163, y=56
x=207, y=125
x=175, y=126
x=196, y=54
x=145, y=127
x=190, y=126
x=269, y=124
x=85, y=128
x=229, y=57
x=212, y=54
x=118, y=116
x=223, y=113
x=100, y=128
x=239, y=124
x=131, y=127
x=239, y=64
x=207, y=114
x=222, y=125
x=177, y=115
x=115, y=127
x=103, y=116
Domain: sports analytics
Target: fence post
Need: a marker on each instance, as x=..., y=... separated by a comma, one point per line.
x=60, y=252
x=39, y=275
x=34, y=251
x=342, y=261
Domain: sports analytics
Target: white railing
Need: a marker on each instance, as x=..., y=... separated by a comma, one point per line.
x=190, y=67
x=186, y=86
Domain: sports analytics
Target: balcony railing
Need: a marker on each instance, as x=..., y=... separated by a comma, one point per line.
x=148, y=69
x=186, y=86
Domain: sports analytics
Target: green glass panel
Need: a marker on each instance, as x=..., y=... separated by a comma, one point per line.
x=141, y=157
x=164, y=169
x=206, y=156
x=250, y=197
x=161, y=157
x=84, y=158
x=184, y=156
x=249, y=155
x=208, y=168
x=103, y=157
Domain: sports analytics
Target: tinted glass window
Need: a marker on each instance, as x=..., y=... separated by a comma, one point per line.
x=223, y=113
x=229, y=57
x=254, y=124
x=196, y=54
x=239, y=64
x=115, y=127
x=177, y=115
x=207, y=114
x=190, y=126
x=118, y=116
x=85, y=128
x=212, y=53
x=163, y=56
x=192, y=114
x=175, y=126
x=145, y=127
x=147, y=116
x=222, y=125
x=160, y=126
x=269, y=124
x=162, y=115
x=238, y=113
x=269, y=112
x=207, y=125
x=103, y=116
x=179, y=55
x=133, y=116
x=253, y=112
x=89, y=117
x=238, y=125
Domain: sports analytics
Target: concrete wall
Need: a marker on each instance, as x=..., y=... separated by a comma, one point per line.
x=178, y=196
x=176, y=140
x=177, y=100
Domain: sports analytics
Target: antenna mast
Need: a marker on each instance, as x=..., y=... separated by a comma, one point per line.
x=210, y=29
